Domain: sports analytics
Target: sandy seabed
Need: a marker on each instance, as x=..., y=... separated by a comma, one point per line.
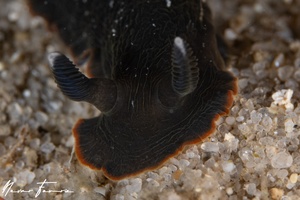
x=254, y=153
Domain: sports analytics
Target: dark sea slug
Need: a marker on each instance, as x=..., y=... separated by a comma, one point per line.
x=155, y=73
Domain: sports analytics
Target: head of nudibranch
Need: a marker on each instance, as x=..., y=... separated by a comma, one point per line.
x=134, y=133
x=149, y=110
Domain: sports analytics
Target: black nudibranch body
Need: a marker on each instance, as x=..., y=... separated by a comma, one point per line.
x=157, y=78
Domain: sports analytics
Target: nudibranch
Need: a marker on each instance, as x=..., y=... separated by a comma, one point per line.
x=154, y=72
